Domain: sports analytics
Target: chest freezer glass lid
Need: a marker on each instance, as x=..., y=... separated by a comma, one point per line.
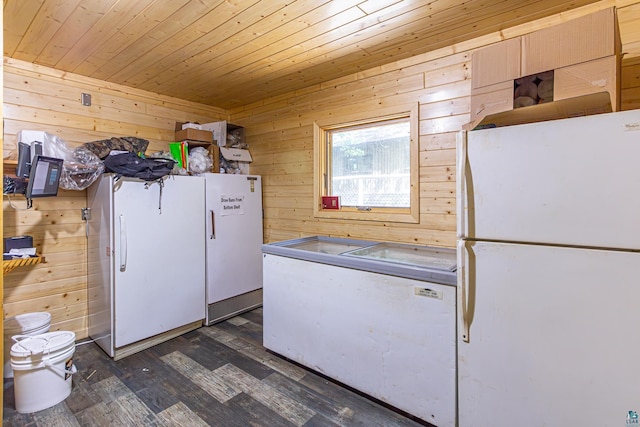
x=325, y=247
x=423, y=256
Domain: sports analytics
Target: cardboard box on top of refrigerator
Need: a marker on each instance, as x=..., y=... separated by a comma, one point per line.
x=495, y=64
x=596, y=103
x=589, y=77
x=236, y=154
x=219, y=131
x=572, y=42
x=194, y=135
x=491, y=99
x=214, y=154
x=224, y=133
x=191, y=125
x=236, y=160
x=187, y=125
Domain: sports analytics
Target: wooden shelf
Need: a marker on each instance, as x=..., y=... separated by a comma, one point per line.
x=9, y=264
x=9, y=167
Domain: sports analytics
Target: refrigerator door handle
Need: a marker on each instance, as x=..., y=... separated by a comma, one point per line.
x=463, y=286
x=213, y=225
x=461, y=190
x=123, y=243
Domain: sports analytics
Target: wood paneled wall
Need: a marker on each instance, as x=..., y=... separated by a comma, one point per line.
x=279, y=132
x=41, y=98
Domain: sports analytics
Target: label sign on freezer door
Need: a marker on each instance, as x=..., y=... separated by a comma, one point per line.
x=232, y=205
x=426, y=292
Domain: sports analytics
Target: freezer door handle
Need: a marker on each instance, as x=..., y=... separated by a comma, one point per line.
x=123, y=243
x=463, y=289
x=213, y=225
x=461, y=190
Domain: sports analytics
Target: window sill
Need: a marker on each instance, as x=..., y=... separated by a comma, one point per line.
x=375, y=214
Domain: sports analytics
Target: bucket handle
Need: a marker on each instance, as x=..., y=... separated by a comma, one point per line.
x=18, y=338
x=73, y=370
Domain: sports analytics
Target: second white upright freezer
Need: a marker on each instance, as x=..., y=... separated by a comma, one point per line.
x=233, y=244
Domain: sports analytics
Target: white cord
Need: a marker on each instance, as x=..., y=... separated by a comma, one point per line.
x=15, y=207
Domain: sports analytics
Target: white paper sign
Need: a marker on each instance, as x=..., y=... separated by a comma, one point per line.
x=232, y=205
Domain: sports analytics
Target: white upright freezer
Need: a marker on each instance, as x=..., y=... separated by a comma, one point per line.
x=548, y=273
x=146, y=254
x=233, y=244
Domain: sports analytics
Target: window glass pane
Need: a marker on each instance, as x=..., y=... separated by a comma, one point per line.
x=370, y=165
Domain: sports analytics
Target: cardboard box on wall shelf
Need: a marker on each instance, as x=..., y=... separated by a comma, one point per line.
x=194, y=135
x=497, y=63
x=589, y=77
x=579, y=40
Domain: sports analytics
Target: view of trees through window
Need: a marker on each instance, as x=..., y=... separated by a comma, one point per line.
x=370, y=164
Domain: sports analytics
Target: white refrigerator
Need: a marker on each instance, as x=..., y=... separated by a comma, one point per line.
x=233, y=244
x=146, y=255
x=549, y=273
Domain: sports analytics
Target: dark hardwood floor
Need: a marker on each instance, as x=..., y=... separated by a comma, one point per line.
x=214, y=376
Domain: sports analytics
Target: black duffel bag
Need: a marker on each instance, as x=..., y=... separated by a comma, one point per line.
x=131, y=165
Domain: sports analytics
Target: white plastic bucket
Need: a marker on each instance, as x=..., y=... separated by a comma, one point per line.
x=42, y=369
x=23, y=324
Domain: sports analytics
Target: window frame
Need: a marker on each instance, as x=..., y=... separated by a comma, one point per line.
x=410, y=214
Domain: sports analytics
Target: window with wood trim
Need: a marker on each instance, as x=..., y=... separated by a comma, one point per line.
x=371, y=165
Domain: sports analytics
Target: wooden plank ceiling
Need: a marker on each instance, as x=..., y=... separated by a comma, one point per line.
x=230, y=53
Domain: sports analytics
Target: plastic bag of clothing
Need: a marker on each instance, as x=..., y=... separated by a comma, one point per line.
x=80, y=166
x=104, y=147
x=199, y=160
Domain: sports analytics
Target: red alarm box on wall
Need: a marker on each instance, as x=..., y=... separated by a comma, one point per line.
x=330, y=202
